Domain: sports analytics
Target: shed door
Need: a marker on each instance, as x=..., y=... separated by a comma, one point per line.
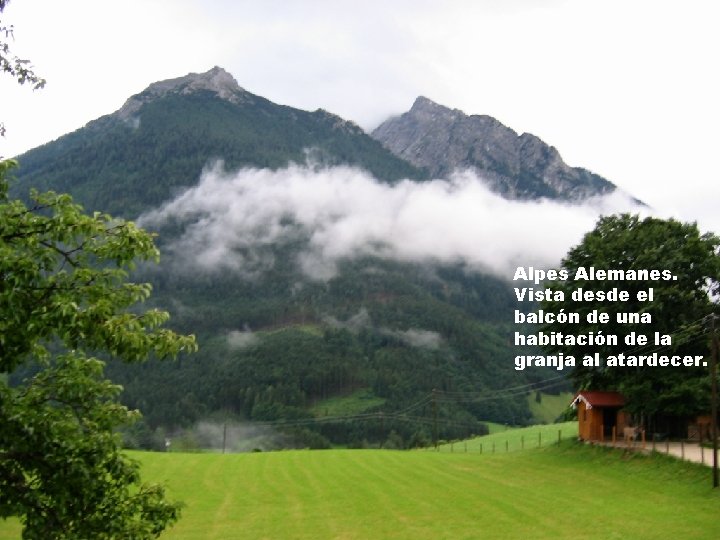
x=609, y=421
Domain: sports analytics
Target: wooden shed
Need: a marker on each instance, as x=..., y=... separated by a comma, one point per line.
x=599, y=413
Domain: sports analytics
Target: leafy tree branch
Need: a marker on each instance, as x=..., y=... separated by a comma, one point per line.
x=64, y=294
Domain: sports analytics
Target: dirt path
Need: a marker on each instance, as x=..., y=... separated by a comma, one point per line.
x=687, y=451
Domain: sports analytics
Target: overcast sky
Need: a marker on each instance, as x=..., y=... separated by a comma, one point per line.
x=628, y=89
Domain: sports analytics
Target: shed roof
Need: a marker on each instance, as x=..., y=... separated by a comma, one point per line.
x=598, y=399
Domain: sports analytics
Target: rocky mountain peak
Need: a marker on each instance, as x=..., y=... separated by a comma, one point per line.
x=215, y=80
x=423, y=105
x=427, y=111
x=442, y=140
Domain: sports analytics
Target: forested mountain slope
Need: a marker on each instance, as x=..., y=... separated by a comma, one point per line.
x=278, y=345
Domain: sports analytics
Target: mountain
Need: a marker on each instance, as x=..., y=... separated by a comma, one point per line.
x=160, y=140
x=413, y=341
x=442, y=140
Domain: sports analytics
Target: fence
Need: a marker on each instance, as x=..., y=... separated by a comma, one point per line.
x=688, y=451
x=519, y=439
x=512, y=440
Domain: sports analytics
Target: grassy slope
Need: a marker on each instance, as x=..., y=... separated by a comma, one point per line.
x=550, y=406
x=494, y=427
x=570, y=491
x=354, y=403
x=517, y=439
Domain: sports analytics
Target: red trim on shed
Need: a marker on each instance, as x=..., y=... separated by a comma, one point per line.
x=598, y=399
x=599, y=414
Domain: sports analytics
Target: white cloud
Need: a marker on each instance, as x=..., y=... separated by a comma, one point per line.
x=354, y=324
x=232, y=219
x=241, y=339
x=415, y=337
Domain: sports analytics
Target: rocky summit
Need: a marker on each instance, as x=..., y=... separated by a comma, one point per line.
x=442, y=140
x=161, y=139
x=216, y=80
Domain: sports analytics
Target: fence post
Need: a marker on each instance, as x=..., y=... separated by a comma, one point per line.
x=481, y=448
x=506, y=446
x=642, y=436
x=559, y=435
x=539, y=439
x=522, y=442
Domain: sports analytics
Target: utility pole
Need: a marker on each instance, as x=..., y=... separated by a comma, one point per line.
x=224, y=436
x=713, y=406
x=435, y=421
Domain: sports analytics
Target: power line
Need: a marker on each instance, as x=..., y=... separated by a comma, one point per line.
x=439, y=396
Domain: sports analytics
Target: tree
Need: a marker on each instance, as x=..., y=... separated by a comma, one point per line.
x=17, y=68
x=626, y=242
x=64, y=296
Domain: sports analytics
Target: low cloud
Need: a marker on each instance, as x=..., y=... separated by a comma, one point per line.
x=354, y=324
x=415, y=337
x=241, y=339
x=424, y=339
x=232, y=219
x=231, y=436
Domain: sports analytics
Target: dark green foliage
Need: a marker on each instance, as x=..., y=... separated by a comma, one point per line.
x=64, y=293
x=322, y=340
x=126, y=168
x=62, y=471
x=307, y=347
x=627, y=242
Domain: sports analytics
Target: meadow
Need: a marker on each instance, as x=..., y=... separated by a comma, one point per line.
x=560, y=491
x=513, y=439
x=549, y=406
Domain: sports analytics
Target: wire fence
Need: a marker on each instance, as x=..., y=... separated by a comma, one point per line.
x=687, y=451
x=512, y=440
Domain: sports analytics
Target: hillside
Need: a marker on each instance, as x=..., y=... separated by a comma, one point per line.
x=386, y=328
x=160, y=140
x=276, y=339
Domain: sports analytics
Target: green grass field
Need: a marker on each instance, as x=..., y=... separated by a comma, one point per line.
x=514, y=439
x=568, y=491
x=550, y=407
x=355, y=403
x=494, y=427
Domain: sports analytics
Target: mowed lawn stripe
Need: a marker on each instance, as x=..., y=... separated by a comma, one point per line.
x=563, y=492
x=538, y=494
x=391, y=503
x=312, y=485
x=487, y=496
x=602, y=493
x=458, y=492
